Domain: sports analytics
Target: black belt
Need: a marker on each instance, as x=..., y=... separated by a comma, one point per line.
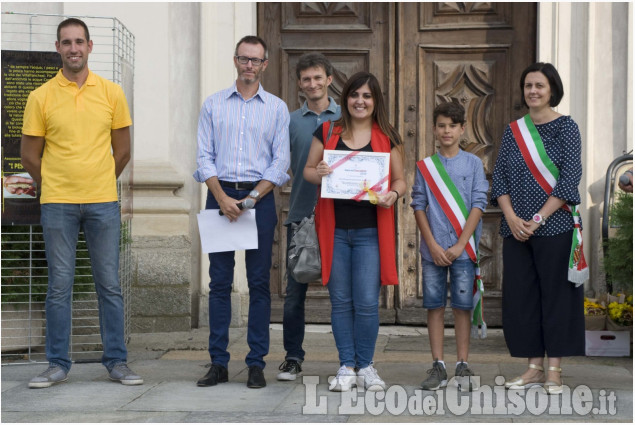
x=239, y=185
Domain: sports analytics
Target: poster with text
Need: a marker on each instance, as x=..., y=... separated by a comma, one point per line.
x=22, y=72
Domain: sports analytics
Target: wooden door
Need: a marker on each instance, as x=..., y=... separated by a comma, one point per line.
x=355, y=37
x=472, y=53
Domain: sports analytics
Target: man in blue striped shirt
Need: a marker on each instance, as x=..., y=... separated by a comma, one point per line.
x=243, y=153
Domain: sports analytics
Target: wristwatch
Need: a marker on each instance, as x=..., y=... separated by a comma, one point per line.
x=538, y=219
x=255, y=194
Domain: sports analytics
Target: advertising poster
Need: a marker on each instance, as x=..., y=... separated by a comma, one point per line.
x=22, y=72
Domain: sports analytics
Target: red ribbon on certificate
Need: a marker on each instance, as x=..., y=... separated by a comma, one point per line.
x=343, y=160
x=372, y=191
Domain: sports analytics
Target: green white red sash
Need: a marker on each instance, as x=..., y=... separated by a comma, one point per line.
x=546, y=174
x=453, y=205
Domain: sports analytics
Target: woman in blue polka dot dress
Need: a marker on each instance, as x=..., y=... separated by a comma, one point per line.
x=542, y=311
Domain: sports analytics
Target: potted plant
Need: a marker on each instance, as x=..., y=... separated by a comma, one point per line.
x=618, y=260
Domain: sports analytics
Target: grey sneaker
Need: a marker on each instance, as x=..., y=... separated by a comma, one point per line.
x=437, y=377
x=290, y=370
x=122, y=373
x=50, y=376
x=464, y=378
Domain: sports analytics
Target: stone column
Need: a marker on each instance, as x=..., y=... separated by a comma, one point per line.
x=222, y=25
x=591, y=46
x=161, y=248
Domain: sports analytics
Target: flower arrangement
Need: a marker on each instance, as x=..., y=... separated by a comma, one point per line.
x=594, y=315
x=621, y=313
x=592, y=308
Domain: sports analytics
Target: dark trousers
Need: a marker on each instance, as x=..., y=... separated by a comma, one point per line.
x=543, y=313
x=293, y=318
x=221, y=272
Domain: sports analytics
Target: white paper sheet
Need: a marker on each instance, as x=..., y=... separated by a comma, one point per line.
x=218, y=234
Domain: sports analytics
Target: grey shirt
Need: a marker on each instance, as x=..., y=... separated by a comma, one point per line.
x=302, y=124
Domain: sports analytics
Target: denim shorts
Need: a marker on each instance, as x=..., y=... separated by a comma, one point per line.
x=435, y=278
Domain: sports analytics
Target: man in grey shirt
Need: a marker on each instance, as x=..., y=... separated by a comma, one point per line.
x=315, y=74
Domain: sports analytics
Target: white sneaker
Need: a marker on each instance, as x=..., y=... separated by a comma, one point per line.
x=372, y=381
x=344, y=380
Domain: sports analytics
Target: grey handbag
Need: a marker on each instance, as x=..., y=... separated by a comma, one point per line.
x=304, y=263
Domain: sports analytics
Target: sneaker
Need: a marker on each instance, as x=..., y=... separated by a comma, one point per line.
x=464, y=378
x=290, y=370
x=437, y=377
x=372, y=381
x=53, y=375
x=344, y=380
x=122, y=373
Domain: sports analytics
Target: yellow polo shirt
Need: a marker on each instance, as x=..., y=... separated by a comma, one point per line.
x=77, y=162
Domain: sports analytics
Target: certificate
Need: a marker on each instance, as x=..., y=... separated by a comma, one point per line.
x=356, y=175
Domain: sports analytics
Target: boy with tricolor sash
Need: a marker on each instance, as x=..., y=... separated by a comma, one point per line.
x=448, y=198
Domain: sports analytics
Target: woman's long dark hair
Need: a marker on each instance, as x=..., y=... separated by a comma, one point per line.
x=380, y=114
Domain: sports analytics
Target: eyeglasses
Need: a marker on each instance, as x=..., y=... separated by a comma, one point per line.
x=243, y=60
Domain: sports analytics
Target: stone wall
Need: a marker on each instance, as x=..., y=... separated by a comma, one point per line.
x=161, y=294
x=160, y=300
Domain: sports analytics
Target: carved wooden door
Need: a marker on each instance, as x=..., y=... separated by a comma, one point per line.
x=423, y=54
x=472, y=53
x=355, y=37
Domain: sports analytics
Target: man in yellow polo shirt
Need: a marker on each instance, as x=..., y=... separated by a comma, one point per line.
x=75, y=143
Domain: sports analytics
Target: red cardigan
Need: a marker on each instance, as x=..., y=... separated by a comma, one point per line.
x=325, y=217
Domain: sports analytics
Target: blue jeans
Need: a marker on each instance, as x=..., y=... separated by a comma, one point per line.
x=435, y=279
x=354, y=291
x=60, y=225
x=293, y=318
x=221, y=272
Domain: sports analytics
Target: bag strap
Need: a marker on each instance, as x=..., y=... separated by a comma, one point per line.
x=330, y=132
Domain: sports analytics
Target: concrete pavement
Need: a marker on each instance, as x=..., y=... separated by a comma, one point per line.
x=601, y=388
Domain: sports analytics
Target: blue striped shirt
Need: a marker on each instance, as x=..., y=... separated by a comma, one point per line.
x=243, y=140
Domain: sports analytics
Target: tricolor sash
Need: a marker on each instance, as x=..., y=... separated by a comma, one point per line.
x=546, y=174
x=452, y=204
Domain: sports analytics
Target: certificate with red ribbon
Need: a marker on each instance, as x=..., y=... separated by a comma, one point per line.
x=360, y=176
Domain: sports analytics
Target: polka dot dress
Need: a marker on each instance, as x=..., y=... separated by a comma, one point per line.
x=512, y=177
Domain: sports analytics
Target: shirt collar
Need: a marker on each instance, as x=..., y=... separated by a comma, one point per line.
x=91, y=80
x=234, y=91
x=332, y=108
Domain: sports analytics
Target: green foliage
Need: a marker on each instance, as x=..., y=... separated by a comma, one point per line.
x=24, y=266
x=618, y=261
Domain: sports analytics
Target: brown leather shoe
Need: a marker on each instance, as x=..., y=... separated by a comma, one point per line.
x=215, y=375
x=256, y=377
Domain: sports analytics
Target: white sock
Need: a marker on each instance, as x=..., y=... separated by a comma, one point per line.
x=458, y=363
x=442, y=363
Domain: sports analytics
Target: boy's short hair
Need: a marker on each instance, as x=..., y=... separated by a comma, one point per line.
x=312, y=60
x=452, y=110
